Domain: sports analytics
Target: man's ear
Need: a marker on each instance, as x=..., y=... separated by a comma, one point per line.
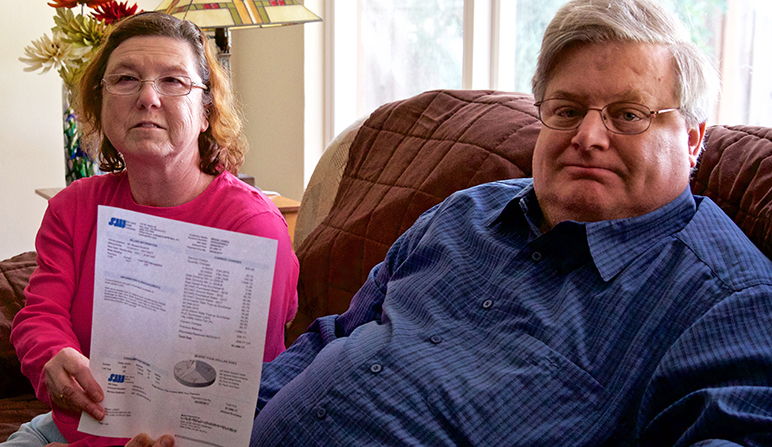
x=696, y=134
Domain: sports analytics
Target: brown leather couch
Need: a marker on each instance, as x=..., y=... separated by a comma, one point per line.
x=411, y=154
x=406, y=157
x=17, y=400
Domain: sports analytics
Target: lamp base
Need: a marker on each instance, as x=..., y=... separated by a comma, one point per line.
x=222, y=39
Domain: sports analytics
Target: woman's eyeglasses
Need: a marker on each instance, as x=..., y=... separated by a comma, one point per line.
x=124, y=85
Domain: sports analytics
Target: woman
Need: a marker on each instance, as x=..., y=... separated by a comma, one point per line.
x=162, y=112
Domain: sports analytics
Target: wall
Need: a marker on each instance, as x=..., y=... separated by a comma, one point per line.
x=30, y=128
x=31, y=153
x=267, y=69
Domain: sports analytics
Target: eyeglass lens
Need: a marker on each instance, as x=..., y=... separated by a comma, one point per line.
x=619, y=117
x=120, y=84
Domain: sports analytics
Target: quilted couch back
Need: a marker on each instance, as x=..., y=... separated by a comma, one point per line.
x=411, y=154
x=407, y=157
x=735, y=171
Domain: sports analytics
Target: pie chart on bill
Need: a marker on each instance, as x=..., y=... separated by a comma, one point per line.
x=194, y=373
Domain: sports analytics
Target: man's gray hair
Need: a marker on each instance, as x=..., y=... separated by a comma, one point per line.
x=639, y=21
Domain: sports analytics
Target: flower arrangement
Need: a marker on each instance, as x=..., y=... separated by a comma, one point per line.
x=75, y=40
x=76, y=37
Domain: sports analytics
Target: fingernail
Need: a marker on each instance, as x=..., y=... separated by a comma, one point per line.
x=166, y=441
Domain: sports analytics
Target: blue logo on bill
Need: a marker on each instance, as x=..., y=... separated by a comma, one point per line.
x=119, y=223
x=117, y=378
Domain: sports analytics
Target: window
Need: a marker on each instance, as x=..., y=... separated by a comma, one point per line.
x=741, y=35
x=385, y=50
x=408, y=47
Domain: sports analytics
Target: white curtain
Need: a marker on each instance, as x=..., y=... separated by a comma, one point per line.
x=746, y=63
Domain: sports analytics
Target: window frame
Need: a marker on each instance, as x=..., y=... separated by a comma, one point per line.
x=488, y=56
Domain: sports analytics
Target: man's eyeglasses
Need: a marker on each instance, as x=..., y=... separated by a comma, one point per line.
x=124, y=85
x=626, y=118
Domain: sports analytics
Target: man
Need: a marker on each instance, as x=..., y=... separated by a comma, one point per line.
x=598, y=304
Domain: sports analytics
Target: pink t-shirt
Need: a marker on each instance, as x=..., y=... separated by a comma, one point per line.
x=60, y=293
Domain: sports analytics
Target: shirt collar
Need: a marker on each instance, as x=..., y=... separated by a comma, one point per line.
x=613, y=244
x=523, y=208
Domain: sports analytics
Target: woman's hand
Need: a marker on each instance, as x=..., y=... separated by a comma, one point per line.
x=71, y=385
x=144, y=440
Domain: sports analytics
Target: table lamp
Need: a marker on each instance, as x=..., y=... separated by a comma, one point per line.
x=221, y=16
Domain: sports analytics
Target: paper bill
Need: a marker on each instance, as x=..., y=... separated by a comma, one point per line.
x=180, y=314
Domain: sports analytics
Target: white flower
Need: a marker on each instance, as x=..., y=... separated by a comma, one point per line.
x=47, y=53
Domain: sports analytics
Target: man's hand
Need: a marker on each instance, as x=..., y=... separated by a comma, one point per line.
x=143, y=440
x=71, y=385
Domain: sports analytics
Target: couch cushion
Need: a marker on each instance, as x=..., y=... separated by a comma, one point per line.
x=735, y=170
x=407, y=157
x=324, y=182
x=14, y=276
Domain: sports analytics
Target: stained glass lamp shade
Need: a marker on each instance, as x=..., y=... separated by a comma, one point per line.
x=208, y=14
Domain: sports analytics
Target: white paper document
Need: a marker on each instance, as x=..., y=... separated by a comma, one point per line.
x=180, y=314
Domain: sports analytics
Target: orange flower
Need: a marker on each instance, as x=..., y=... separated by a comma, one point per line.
x=64, y=3
x=74, y=3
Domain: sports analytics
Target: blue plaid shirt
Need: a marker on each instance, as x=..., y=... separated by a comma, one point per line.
x=479, y=330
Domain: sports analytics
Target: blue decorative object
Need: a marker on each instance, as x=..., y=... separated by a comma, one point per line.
x=77, y=162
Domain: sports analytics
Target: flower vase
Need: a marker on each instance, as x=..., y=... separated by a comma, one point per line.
x=77, y=162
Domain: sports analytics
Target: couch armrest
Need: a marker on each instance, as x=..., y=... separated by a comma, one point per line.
x=323, y=185
x=14, y=277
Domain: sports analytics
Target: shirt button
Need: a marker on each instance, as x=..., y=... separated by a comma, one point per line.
x=487, y=304
x=436, y=339
x=536, y=256
x=376, y=368
x=320, y=413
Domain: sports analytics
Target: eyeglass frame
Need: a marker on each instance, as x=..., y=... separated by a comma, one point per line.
x=193, y=84
x=604, y=117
